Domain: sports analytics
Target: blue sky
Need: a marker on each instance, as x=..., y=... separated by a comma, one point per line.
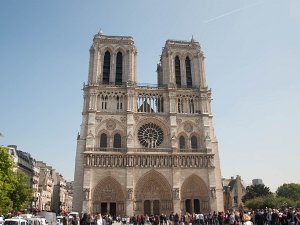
x=252, y=54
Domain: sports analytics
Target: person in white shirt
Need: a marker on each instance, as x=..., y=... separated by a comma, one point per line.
x=99, y=219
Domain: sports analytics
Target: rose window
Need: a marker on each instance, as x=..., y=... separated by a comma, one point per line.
x=150, y=135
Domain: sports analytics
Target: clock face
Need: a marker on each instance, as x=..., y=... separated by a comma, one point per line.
x=150, y=135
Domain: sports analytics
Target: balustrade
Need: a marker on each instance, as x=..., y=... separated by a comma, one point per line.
x=133, y=160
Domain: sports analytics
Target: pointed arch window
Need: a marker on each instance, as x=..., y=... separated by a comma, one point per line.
x=117, y=141
x=181, y=142
x=180, y=105
x=119, y=103
x=103, y=142
x=119, y=66
x=106, y=68
x=191, y=105
x=104, y=102
x=177, y=71
x=194, y=143
x=189, y=82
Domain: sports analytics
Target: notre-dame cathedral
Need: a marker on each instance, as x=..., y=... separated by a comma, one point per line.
x=146, y=149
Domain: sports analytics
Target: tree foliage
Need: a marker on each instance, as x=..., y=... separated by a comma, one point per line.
x=269, y=201
x=21, y=194
x=14, y=191
x=255, y=191
x=290, y=191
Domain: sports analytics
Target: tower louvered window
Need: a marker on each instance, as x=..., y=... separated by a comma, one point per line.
x=177, y=71
x=188, y=70
x=119, y=66
x=106, y=68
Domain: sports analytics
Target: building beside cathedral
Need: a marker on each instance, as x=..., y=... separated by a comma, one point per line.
x=146, y=149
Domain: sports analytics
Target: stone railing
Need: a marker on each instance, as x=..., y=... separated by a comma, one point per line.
x=149, y=161
x=157, y=150
x=162, y=150
x=104, y=149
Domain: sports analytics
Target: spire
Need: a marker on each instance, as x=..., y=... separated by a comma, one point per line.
x=193, y=40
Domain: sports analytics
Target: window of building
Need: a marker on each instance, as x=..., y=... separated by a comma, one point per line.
x=103, y=142
x=194, y=143
x=117, y=141
x=235, y=199
x=188, y=71
x=119, y=66
x=191, y=105
x=177, y=71
x=106, y=68
x=119, y=103
x=104, y=102
x=180, y=105
x=181, y=142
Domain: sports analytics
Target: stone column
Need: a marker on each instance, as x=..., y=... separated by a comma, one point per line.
x=182, y=71
x=112, y=78
x=202, y=72
x=91, y=64
x=130, y=66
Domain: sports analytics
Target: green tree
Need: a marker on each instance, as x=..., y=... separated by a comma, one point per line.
x=21, y=194
x=290, y=191
x=269, y=201
x=6, y=177
x=254, y=191
x=14, y=191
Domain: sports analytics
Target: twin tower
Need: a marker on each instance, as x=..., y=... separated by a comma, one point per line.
x=146, y=149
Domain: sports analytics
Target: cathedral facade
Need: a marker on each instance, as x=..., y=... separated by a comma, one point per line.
x=146, y=149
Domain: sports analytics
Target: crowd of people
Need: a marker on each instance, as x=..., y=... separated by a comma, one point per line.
x=287, y=216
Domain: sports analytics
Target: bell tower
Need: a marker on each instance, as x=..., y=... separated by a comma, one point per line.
x=112, y=60
x=182, y=65
x=112, y=69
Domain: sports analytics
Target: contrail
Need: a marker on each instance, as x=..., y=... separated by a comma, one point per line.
x=231, y=12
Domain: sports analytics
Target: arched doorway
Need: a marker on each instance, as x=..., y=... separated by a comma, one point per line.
x=194, y=195
x=153, y=195
x=108, y=197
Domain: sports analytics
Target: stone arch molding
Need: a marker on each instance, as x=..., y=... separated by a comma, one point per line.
x=194, y=187
x=108, y=190
x=153, y=185
x=109, y=120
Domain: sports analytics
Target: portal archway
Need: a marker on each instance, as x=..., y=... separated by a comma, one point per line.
x=194, y=195
x=108, y=197
x=153, y=195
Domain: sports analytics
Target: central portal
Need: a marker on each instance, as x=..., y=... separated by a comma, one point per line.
x=109, y=208
x=151, y=207
x=153, y=195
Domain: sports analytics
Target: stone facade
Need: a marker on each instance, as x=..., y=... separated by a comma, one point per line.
x=60, y=194
x=50, y=191
x=233, y=190
x=146, y=149
x=45, y=186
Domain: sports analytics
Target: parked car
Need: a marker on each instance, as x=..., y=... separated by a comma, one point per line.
x=25, y=216
x=37, y=221
x=49, y=216
x=15, y=221
x=76, y=214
